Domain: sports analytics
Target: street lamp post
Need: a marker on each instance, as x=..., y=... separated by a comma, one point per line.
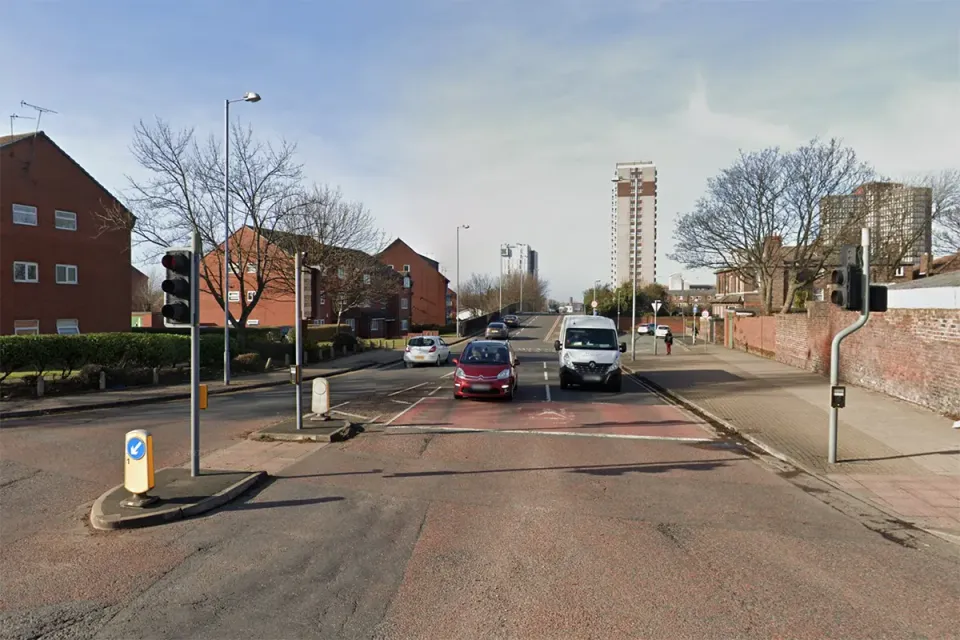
x=248, y=97
x=462, y=226
x=500, y=310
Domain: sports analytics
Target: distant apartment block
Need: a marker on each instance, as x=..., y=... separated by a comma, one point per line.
x=519, y=258
x=633, y=223
x=897, y=215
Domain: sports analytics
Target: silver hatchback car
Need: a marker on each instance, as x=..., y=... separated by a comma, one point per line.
x=497, y=331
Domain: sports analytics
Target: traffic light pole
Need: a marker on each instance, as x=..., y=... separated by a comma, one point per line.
x=195, y=355
x=837, y=339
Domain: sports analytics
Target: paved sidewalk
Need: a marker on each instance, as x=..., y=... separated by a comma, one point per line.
x=29, y=407
x=902, y=458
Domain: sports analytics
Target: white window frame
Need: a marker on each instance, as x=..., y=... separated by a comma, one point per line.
x=60, y=216
x=251, y=267
x=27, y=266
x=375, y=324
x=30, y=330
x=404, y=325
x=406, y=268
x=68, y=326
x=900, y=271
x=404, y=303
x=366, y=278
x=233, y=296
x=25, y=210
x=322, y=301
x=352, y=323
x=253, y=322
x=390, y=266
x=250, y=295
x=67, y=268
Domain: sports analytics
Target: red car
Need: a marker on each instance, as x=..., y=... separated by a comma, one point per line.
x=485, y=369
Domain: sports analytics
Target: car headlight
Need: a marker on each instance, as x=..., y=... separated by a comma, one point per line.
x=503, y=375
x=614, y=365
x=567, y=359
x=459, y=373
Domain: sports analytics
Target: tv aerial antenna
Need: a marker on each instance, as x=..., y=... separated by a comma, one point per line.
x=16, y=116
x=40, y=111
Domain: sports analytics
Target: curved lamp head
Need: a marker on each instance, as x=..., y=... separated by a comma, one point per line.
x=464, y=226
x=251, y=97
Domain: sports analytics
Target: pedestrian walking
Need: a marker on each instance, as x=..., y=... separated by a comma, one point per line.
x=668, y=340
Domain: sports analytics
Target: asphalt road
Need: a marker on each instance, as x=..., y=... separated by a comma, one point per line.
x=563, y=514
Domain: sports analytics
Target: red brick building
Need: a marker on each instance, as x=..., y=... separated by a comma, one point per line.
x=430, y=301
x=59, y=272
x=268, y=261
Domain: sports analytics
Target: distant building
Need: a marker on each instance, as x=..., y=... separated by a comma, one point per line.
x=430, y=302
x=633, y=222
x=519, y=258
x=61, y=272
x=675, y=283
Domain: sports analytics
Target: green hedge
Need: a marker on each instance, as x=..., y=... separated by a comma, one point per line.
x=48, y=353
x=325, y=332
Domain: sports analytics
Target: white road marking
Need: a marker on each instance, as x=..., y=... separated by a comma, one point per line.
x=447, y=375
x=352, y=415
x=547, y=388
x=555, y=433
x=434, y=391
x=396, y=393
x=546, y=376
x=390, y=421
x=400, y=401
x=339, y=405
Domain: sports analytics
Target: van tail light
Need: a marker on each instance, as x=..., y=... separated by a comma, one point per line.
x=433, y=348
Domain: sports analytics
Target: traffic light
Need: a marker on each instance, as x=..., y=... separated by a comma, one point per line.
x=178, y=288
x=847, y=280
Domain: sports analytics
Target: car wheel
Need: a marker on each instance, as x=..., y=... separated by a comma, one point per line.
x=563, y=383
x=408, y=365
x=438, y=361
x=457, y=396
x=509, y=397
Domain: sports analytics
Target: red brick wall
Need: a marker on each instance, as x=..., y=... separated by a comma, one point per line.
x=913, y=354
x=756, y=334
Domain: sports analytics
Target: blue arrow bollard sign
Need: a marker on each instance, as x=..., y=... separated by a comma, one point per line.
x=136, y=448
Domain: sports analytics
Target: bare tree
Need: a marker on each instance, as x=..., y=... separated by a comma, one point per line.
x=358, y=281
x=184, y=193
x=732, y=225
x=814, y=172
x=147, y=295
x=945, y=188
x=479, y=291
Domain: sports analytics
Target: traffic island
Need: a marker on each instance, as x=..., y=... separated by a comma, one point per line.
x=312, y=431
x=178, y=495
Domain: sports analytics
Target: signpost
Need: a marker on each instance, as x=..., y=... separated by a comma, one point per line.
x=695, y=321
x=297, y=369
x=594, y=304
x=656, y=309
x=138, y=469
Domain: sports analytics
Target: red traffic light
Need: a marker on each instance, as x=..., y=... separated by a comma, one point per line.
x=178, y=262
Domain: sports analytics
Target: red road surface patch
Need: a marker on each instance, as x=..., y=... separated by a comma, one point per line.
x=654, y=421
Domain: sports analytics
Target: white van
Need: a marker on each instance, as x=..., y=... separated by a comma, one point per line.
x=567, y=320
x=589, y=353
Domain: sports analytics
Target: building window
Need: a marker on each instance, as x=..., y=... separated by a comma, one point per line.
x=66, y=220
x=352, y=323
x=25, y=272
x=253, y=323
x=900, y=272
x=251, y=267
x=404, y=303
x=233, y=296
x=66, y=274
x=366, y=278
x=26, y=327
x=341, y=273
x=374, y=324
x=25, y=214
x=323, y=300
x=406, y=282
x=389, y=266
x=250, y=295
x=406, y=268
x=68, y=327
x=404, y=325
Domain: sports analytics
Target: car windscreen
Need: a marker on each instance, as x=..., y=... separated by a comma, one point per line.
x=497, y=325
x=420, y=342
x=485, y=354
x=600, y=339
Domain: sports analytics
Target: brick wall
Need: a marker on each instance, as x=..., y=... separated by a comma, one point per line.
x=756, y=334
x=913, y=354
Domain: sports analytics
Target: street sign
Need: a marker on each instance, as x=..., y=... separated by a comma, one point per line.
x=656, y=306
x=138, y=468
x=594, y=304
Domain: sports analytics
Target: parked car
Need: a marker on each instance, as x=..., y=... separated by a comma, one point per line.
x=426, y=350
x=511, y=321
x=645, y=329
x=497, y=331
x=485, y=369
x=662, y=331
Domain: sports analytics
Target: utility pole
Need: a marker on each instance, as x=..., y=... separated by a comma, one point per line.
x=195, y=247
x=298, y=335
x=462, y=226
x=635, y=223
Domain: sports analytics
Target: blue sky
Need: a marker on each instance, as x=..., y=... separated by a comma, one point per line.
x=507, y=116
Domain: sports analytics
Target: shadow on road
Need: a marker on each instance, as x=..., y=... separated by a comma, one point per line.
x=249, y=506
